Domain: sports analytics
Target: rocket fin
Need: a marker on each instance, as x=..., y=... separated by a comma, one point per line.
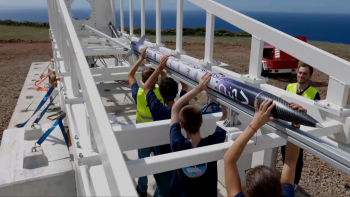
x=142, y=39
x=130, y=53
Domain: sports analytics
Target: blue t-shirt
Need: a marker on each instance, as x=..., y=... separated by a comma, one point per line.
x=198, y=180
x=159, y=112
x=287, y=191
x=134, y=90
x=317, y=96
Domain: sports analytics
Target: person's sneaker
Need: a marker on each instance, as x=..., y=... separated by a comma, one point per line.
x=295, y=187
x=141, y=193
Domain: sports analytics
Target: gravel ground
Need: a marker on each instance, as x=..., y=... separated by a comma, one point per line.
x=318, y=178
x=15, y=61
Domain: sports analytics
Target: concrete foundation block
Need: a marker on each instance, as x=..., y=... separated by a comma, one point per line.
x=35, y=159
x=33, y=133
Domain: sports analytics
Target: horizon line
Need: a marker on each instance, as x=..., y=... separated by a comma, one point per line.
x=186, y=10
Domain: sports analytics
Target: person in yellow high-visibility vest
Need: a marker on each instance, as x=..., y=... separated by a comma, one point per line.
x=143, y=113
x=302, y=88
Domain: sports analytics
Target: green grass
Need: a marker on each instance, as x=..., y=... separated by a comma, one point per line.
x=342, y=49
x=23, y=32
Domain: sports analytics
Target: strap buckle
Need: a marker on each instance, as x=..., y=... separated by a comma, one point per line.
x=34, y=148
x=33, y=125
x=57, y=115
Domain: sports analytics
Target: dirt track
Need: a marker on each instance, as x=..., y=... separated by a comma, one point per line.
x=15, y=60
x=318, y=179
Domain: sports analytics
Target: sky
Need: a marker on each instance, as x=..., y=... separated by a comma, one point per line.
x=290, y=6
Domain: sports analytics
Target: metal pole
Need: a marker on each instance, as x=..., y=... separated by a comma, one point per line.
x=143, y=22
x=179, y=25
x=209, y=38
x=158, y=23
x=121, y=16
x=131, y=18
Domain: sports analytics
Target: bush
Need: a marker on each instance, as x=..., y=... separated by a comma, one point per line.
x=24, y=23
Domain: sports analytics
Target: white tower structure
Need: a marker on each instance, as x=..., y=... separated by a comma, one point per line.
x=100, y=113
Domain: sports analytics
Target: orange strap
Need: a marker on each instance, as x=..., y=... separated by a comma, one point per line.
x=42, y=78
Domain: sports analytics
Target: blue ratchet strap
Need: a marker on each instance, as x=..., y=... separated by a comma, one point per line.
x=48, y=132
x=40, y=105
x=46, y=108
x=212, y=107
x=63, y=132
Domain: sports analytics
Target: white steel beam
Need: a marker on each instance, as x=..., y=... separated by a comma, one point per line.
x=143, y=135
x=73, y=73
x=111, y=70
x=131, y=137
x=83, y=177
x=143, y=18
x=176, y=160
x=256, y=53
x=114, y=76
x=84, y=42
x=121, y=16
x=172, y=161
x=116, y=172
x=179, y=25
x=131, y=18
x=314, y=56
x=209, y=37
x=337, y=92
x=113, y=40
x=94, y=51
x=158, y=23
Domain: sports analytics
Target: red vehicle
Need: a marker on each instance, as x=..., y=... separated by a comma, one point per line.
x=277, y=61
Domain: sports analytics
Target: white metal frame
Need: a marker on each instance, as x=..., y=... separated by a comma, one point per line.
x=102, y=143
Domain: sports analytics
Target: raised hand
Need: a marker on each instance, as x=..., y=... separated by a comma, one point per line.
x=163, y=61
x=298, y=107
x=262, y=114
x=203, y=83
x=143, y=53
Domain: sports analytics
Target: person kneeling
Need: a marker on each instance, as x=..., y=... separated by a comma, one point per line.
x=197, y=180
x=261, y=180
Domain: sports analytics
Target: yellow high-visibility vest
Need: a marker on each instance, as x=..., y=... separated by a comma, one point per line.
x=309, y=93
x=143, y=113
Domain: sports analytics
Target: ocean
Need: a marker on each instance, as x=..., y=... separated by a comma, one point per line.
x=334, y=28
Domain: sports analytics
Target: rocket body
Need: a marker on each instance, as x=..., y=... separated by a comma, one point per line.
x=230, y=88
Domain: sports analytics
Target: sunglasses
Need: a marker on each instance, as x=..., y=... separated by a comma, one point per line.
x=247, y=171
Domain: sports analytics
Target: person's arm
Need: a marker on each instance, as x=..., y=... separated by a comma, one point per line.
x=292, y=154
x=163, y=75
x=154, y=77
x=185, y=99
x=155, y=106
x=261, y=117
x=132, y=72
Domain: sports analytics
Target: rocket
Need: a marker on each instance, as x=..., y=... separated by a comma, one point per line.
x=228, y=87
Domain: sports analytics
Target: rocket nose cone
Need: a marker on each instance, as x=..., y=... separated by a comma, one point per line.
x=319, y=125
